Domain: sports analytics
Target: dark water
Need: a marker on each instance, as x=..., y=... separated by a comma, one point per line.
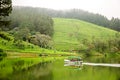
x=57, y=71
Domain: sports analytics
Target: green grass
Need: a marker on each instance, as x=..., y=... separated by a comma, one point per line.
x=66, y=31
x=29, y=48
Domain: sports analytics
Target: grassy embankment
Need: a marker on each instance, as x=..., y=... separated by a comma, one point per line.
x=11, y=47
x=70, y=33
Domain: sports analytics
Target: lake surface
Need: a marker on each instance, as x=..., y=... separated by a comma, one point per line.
x=93, y=69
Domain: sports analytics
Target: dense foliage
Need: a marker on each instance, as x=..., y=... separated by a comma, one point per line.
x=42, y=40
x=2, y=53
x=30, y=20
x=5, y=9
x=26, y=22
x=112, y=45
x=79, y=36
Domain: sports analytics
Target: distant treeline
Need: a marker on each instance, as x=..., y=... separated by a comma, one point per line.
x=98, y=19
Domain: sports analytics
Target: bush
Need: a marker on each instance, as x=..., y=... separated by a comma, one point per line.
x=5, y=36
x=2, y=53
x=41, y=40
x=19, y=45
x=1, y=50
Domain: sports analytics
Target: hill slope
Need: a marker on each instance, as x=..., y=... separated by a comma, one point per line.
x=21, y=46
x=70, y=33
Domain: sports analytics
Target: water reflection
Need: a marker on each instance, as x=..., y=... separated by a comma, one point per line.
x=57, y=71
x=73, y=64
x=12, y=70
x=101, y=59
x=42, y=71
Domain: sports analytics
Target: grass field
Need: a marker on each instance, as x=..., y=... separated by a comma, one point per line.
x=69, y=33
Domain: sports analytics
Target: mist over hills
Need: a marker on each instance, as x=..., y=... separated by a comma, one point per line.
x=97, y=19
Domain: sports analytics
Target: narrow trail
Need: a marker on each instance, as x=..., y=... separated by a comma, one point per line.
x=102, y=64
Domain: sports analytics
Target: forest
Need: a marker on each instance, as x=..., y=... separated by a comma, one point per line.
x=30, y=26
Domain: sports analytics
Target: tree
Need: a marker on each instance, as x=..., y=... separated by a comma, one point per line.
x=21, y=33
x=115, y=24
x=41, y=40
x=5, y=9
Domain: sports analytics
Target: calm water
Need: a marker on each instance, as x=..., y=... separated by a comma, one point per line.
x=57, y=71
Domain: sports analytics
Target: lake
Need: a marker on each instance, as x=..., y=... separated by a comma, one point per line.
x=57, y=71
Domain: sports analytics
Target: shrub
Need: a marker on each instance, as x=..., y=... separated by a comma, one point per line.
x=5, y=36
x=41, y=40
x=19, y=45
x=2, y=53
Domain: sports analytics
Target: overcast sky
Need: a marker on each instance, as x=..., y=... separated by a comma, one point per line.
x=108, y=8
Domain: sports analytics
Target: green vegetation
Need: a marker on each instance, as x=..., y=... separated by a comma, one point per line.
x=5, y=9
x=2, y=54
x=30, y=21
x=32, y=38
x=23, y=47
x=34, y=31
x=80, y=36
x=31, y=27
x=71, y=32
x=59, y=34
x=97, y=19
x=70, y=36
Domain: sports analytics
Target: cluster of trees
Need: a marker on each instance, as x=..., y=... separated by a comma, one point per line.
x=5, y=9
x=25, y=23
x=24, y=18
x=29, y=25
x=102, y=46
x=115, y=24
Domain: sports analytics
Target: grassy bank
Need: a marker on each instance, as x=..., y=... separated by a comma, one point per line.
x=24, y=47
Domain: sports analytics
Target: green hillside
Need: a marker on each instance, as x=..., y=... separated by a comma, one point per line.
x=70, y=33
x=21, y=46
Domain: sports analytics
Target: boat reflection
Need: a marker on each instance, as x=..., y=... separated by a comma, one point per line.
x=74, y=62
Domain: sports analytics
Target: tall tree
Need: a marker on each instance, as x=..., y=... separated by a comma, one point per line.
x=5, y=9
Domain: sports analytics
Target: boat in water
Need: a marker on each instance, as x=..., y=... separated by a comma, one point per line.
x=73, y=61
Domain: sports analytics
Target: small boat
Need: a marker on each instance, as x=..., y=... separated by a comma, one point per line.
x=73, y=61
